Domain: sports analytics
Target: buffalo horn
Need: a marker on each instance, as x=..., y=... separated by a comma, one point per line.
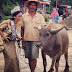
x=54, y=31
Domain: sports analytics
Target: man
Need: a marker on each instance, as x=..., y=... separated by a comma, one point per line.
x=32, y=22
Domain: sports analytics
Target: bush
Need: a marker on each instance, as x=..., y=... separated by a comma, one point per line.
x=6, y=17
x=48, y=10
x=7, y=9
x=47, y=17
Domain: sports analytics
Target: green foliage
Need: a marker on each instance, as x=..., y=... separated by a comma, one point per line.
x=46, y=17
x=47, y=23
x=6, y=17
x=67, y=2
x=7, y=9
x=7, y=6
x=48, y=10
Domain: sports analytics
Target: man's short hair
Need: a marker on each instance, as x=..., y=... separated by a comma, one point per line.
x=32, y=2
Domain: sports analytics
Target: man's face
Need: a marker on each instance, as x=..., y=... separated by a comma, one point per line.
x=32, y=7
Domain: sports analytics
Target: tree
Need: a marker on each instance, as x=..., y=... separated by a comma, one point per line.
x=60, y=2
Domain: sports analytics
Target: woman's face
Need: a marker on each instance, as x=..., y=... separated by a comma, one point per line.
x=18, y=17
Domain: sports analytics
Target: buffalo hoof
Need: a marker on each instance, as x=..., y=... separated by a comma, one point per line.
x=51, y=70
x=66, y=70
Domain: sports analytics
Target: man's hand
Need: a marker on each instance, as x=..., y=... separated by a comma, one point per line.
x=18, y=37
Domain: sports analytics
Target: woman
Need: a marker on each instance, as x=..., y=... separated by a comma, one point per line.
x=9, y=35
x=54, y=16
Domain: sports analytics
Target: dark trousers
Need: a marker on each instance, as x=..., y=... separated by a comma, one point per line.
x=64, y=16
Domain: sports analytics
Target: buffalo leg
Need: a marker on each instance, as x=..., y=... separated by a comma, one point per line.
x=67, y=66
x=57, y=64
x=44, y=60
x=52, y=65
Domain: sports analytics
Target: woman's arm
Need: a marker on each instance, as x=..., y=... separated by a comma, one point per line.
x=2, y=34
x=5, y=22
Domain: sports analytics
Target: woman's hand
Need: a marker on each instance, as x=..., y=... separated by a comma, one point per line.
x=6, y=38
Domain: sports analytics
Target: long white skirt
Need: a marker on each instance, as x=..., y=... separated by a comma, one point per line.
x=19, y=50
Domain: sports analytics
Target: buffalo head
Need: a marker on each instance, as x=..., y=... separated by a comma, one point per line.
x=47, y=38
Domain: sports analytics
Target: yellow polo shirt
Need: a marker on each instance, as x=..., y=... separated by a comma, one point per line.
x=31, y=25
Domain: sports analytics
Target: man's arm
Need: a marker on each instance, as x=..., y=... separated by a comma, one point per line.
x=43, y=23
x=22, y=33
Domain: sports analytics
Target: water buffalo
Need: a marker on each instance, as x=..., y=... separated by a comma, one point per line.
x=54, y=41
